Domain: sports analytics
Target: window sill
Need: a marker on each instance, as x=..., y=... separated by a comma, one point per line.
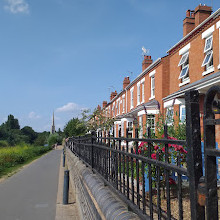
x=153, y=97
x=210, y=70
x=138, y=103
x=142, y=102
x=184, y=83
x=219, y=66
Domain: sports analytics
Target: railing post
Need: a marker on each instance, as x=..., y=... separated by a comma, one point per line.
x=66, y=187
x=194, y=155
x=92, y=149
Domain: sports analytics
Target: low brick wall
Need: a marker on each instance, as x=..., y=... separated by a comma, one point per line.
x=96, y=201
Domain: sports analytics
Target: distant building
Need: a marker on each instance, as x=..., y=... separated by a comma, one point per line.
x=52, y=131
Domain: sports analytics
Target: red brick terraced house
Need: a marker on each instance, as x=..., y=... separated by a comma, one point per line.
x=192, y=63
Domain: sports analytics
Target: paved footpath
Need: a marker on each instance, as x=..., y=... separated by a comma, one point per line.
x=31, y=194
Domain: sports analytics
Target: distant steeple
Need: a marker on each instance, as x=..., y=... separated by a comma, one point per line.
x=53, y=126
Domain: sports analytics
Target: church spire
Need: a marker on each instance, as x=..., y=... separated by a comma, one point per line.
x=53, y=126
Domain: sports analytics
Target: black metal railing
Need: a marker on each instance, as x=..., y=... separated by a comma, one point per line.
x=126, y=169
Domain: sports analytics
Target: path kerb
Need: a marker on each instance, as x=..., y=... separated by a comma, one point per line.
x=70, y=211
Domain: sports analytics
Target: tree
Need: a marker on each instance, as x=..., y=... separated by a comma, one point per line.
x=29, y=133
x=12, y=123
x=54, y=138
x=42, y=138
x=75, y=127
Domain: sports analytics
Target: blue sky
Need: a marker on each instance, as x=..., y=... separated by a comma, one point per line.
x=66, y=55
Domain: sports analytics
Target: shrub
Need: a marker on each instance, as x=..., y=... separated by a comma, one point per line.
x=12, y=156
x=3, y=143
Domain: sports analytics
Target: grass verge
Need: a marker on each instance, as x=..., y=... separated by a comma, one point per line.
x=13, y=158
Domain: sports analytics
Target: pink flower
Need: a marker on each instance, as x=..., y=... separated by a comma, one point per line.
x=145, y=148
x=141, y=144
x=156, y=147
x=139, y=151
x=172, y=181
x=163, y=149
x=154, y=156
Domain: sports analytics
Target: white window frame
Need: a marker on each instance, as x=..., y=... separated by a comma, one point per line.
x=209, y=60
x=130, y=128
x=122, y=128
x=186, y=73
x=184, y=65
x=210, y=45
x=169, y=121
x=152, y=87
x=141, y=126
x=132, y=98
x=218, y=27
x=184, y=58
x=142, y=90
x=181, y=113
x=151, y=117
x=123, y=103
x=113, y=109
x=138, y=93
x=207, y=35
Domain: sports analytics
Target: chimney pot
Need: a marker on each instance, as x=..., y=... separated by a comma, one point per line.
x=188, y=22
x=113, y=94
x=126, y=82
x=104, y=103
x=146, y=62
x=202, y=12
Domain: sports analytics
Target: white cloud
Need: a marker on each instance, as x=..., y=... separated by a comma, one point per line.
x=33, y=115
x=69, y=107
x=17, y=6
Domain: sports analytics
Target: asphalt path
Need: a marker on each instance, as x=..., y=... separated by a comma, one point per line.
x=31, y=194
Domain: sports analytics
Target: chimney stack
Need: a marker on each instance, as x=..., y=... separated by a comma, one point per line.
x=146, y=62
x=104, y=103
x=126, y=82
x=188, y=22
x=201, y=13
x=99, y=107
x=113, y=94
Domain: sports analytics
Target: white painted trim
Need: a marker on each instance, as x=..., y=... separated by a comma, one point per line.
x=208, y=32
x=210, y=70
x=218, y=24
x=153, y=97
x=142, y=112
x=153, y=112
x=152, y=73
x=139, y=83
x=168, y=103
x=132, y=88
x=219, y=44
x=117, y=122
x=179, y=101
x=184, y=83
x=123, y=119
x=123, y=96
x=184, y=49
x=143, y=80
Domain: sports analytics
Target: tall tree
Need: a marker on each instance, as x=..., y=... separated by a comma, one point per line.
x=75, y=127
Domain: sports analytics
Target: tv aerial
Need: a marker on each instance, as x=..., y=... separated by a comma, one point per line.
x=145, y=51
